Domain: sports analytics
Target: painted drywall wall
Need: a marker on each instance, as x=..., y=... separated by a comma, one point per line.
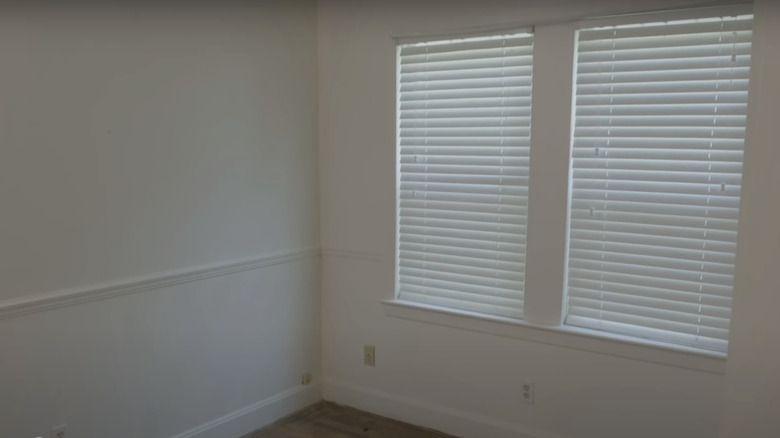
x=135, y=137
x=218, y=357
x=752, y=392
x=138, y=138
x=460, y=381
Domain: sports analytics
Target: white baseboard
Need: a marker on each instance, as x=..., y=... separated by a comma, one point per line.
x=430, y=415
x=257, y=415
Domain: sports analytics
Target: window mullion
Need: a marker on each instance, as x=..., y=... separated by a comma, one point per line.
x=549, y=173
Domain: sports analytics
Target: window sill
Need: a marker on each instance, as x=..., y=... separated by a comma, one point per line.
x=563, y=336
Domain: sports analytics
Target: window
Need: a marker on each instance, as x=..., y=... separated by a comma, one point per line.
x=658, y=111
x=656, y=173
x=463, y=139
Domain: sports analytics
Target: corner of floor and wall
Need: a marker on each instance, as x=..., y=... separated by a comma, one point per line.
x=198, y=211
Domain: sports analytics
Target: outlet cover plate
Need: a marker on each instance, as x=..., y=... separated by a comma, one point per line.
x=369, y=355
x=58, y=431
x=527, y=395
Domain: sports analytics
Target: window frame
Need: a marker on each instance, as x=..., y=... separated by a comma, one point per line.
x=508, y=34
x=548, y=215
x=673, y=320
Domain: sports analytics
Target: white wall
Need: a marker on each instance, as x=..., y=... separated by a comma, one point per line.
x=752, y=392
x=138, y=139
x=461, y=381
x=135, y=138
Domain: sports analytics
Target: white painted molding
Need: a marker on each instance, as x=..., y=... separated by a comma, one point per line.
x=257, y=415
x=562, y=336
x=355, y=255
x=83, y=294
x=433, y=416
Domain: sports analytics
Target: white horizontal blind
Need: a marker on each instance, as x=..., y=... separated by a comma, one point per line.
x=463, y=138
x=656, y=178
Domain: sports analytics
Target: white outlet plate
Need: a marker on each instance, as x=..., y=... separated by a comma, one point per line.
x=527, y=393
x=305, y=379
x=58, y=431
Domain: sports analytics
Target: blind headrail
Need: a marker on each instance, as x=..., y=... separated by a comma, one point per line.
x=474, y=32
x=691, y=11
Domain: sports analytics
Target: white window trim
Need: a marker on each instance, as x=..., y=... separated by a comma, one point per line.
x=548, y=214
x=560, y=335
x=429, y=254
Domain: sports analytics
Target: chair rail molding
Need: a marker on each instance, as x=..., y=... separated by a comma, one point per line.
x=355, y=255
x=82, y=294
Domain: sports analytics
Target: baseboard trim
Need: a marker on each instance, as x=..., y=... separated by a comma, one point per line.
x=69, y=297
x=257, y=415
x=433, y=416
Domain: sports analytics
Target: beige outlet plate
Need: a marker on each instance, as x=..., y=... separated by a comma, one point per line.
x=369, y=355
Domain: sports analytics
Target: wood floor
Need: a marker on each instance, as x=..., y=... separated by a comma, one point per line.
x=328, y=420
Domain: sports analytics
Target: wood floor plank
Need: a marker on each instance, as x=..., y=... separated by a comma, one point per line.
x=329, y=420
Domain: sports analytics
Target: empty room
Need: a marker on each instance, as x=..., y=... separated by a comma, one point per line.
x=389, y=218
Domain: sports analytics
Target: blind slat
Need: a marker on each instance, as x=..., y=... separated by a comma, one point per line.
x=452, y=243
x=510, y=254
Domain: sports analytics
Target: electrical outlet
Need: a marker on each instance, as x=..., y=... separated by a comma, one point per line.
x=58, y=431
x=528, y=393
x=305, y=379
x=369, y=355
